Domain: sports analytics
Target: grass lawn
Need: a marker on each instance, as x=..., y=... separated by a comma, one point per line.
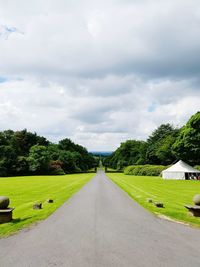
x=28, y=190
x=173, y=193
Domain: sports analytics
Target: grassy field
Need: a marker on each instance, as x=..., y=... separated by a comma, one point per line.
x=112, y=170
x=173, y=193
x=26, y=191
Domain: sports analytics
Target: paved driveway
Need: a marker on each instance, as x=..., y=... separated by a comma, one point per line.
x=102, y=226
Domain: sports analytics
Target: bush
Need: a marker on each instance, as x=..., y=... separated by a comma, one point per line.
x=144, y=170
x=56, y=168
x=197, y=167
x=78, y=170
x=57, y=172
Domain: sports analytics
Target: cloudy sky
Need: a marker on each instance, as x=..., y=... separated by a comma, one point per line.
x=98, y=72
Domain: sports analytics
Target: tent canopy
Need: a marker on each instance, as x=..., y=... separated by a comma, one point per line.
x=180, y=170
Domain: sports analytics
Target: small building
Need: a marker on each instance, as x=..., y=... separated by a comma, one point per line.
x=181, y=171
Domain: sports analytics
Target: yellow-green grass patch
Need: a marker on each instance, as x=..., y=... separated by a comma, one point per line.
x=28, y=190
x=174, y=194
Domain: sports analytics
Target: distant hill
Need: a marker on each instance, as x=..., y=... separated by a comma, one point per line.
x=101, y=153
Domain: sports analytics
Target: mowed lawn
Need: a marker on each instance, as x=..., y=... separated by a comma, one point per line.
x=26, y=191
x=173, y=193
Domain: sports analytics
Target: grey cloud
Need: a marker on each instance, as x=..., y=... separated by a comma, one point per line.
x=58, y=114
x=99, y=72
x=152, y=44
x=92, y=113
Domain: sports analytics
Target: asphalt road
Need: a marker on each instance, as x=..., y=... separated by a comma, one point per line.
x=102, y=226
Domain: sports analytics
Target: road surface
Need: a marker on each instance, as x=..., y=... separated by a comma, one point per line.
x=102, y=226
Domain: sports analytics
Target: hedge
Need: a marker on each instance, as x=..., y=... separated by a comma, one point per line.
x=145, y=170
x=197, y=167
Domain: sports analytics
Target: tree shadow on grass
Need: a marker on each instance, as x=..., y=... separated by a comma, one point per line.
x=19, y=220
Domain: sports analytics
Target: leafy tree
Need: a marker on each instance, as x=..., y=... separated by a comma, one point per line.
x=82, y=159
x=39, y=159
x=129, y=153
x=23, y=152
x=67, y=160
x=22, y=166
x=159, y=145
x=8, y=159
x=67, y=145
x=54, y=151
x=25, y=140
x=56, y=167
x=187, y=145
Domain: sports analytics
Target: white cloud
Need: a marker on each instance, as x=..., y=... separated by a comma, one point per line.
x=99, y=72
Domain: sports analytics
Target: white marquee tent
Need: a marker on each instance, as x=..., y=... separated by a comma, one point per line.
x=180, y=170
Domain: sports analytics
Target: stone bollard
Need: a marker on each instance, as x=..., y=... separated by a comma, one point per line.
x=4, y=202
x=5, y=211
x=194, y=210
x=196, y=200
x=159, y=205
x=37, y=206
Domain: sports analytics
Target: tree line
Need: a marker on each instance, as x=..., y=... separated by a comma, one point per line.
x=26, y=153
x=163, y=147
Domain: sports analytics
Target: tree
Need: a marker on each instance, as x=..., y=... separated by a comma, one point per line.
x=39, y=159
x=22, y=166
x=67, y=160
x=23, y=152
x=187, y=145
x=159, y=145
x=67, y=145
x=55, y=167
x=6, y=137
x=8, y=159
x=25, y=140
x=129, y=153
x=54, y=151
x=82, y=159
x=164, y=151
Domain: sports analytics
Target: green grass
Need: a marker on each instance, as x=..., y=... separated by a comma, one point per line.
x=173, y=193
x=26, y=191
x=111, y=170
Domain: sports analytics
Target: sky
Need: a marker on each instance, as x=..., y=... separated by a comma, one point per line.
x=98, y=72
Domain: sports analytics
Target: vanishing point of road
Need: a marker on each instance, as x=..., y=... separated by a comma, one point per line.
x=102, y=226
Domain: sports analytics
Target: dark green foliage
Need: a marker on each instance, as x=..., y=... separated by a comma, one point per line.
x=197, y=167
x=8, y=160
x=79, y=159
x=159, y=145
x=68, y=160
x=22, y=165
x=144, y=170
x=24, y=153
x=39, y=159
x=187, y=145
x=163, y=147
x=54, y=151
x=6, y=137
x=25, y=140
x=14, y=151
x=57, y=172
x=67, y=145
x=129, y=152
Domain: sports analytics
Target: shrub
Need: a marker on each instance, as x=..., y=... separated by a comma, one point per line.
x=57, y=172
x=197, y=167
x=56, y=168
x=144, y=170
x=78, y=170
